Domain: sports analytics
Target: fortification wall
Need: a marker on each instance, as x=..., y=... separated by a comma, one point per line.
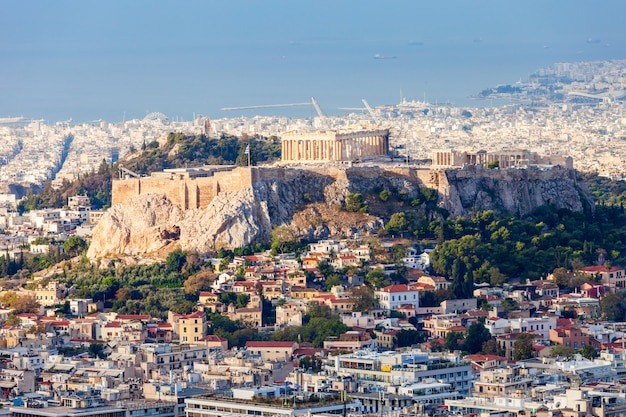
x=187, y=193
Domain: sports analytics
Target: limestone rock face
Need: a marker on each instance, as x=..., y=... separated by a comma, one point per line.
x=231, y=220
x=308, y=201
x=142, y=225
x=516, y=192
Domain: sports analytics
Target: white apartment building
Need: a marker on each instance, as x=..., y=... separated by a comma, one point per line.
x=393, y=296
x=394, y=369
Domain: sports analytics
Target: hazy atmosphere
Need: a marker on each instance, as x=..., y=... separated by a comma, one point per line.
x=119, y=59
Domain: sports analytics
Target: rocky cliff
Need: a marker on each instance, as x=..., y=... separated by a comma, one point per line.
x=514, y=191
x=308, y=200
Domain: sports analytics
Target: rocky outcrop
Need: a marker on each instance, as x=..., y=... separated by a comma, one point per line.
x=308, y=201
x=143, y=225
x=516, y=192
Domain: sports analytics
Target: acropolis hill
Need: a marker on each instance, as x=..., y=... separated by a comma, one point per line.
x=208, y=208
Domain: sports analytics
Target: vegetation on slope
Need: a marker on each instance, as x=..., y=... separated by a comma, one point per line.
x=178, y=151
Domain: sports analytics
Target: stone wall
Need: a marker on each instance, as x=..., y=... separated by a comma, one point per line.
x=186, y=192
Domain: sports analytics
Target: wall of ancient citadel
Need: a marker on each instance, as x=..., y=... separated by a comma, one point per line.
x=452, y=184
x=187, y=193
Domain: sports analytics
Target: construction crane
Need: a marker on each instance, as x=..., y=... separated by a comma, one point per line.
x=313, y=103
x=317, y=107
x=125, y=173
x=369, y=109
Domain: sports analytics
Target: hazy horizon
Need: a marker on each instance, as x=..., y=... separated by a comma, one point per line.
x=112, y=60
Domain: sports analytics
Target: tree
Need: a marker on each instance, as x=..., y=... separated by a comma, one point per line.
x=325, y=268
x=613, y=306
x=490, y=347
x=354, y=203
x=408, y=338
x=75, y=246
x=562, y=351
x=20, y=303
x=199, y=282
x=332, y=281
x=477, y=334
x=523, y=346
x=175, y=260
x=96, y=350
x=376, y=278
x=454, y=341
x=363, y=297
x=589, y=352
x=284, y=239
x=384, y=195
x=242, y=300
x=12, y=320
x=397, y=223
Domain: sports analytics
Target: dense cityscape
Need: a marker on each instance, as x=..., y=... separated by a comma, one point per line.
x=393, y=305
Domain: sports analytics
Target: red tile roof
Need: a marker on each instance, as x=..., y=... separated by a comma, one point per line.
x=601, y=268
x=270, y=344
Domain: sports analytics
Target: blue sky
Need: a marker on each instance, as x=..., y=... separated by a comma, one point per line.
x=88, y=59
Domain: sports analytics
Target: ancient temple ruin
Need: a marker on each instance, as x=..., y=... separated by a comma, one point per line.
x=334, y=145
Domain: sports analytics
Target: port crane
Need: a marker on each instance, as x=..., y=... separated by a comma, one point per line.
x=367, y=108
x=313, y=103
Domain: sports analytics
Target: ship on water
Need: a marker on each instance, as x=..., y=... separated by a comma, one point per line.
x=379, y=56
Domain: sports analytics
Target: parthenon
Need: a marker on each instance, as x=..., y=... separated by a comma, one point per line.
x=334, y=145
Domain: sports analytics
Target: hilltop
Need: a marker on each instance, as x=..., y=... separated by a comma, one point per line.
x=332, y=201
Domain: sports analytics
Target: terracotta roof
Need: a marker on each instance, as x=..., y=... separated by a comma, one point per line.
x=270, y=344
x=195, y=315
x=396, y=288
x=133, y=317
x=482, y=358
x=601, y=268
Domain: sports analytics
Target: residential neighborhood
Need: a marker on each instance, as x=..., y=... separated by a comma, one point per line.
x=513, y=350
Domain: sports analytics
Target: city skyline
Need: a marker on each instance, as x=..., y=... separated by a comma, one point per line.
x=116, y=61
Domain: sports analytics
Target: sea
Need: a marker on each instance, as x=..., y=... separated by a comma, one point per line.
x=183, y=83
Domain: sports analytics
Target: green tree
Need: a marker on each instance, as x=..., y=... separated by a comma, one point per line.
x=613, y=306
x=397, y=223
x=562, y=351
x=175, y=260
x=477, y=334
x=332, y=280
x=242, y=300
x=363, y=297
x=408, y=338
x=490, y=347
x=384, y=195
x=589, y=352
x=96, y=350
x=376, y=278
x=454, y=341
x=523, y=346
x=75, y=246
x=325, y=268
x=284, y=239
x=12, y=320
x=355, y=203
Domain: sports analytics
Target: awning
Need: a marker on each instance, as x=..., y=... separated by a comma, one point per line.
x=8, y=385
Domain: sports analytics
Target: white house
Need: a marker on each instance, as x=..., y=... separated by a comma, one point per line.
x=393, y=296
